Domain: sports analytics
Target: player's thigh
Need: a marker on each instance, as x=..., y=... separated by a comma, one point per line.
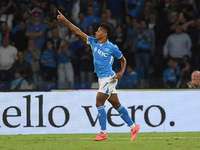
x=101, y=98
x=113, y=99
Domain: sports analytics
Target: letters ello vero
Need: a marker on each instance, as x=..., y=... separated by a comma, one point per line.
x=67, y=115
x=40, y=116
x=133, y=113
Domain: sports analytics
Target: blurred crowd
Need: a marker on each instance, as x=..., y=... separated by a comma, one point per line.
x=159, y=38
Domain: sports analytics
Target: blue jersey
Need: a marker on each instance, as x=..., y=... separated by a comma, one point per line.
x=63, y=56
x=104, y=57
x=169, y=75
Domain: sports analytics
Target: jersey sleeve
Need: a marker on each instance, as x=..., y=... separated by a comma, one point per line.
x=116, y=52
x=90, y=40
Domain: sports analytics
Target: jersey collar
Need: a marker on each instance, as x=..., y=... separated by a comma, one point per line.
x=103, y=43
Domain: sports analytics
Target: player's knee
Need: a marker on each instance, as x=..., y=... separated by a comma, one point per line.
x=116, y=105
x=99, y=103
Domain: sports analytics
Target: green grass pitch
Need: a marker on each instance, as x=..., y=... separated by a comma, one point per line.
x=115, y=141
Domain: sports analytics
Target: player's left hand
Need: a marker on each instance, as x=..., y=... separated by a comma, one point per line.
x=60, y=16
x=118, y=75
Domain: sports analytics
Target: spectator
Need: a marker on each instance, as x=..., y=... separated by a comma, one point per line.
x=152, y=5
x=195, y=82
x=129, y=80
x=91, y=18
x=119, y=39
x=177, y=45
x=76, y=45
x=109, y=18
x=65, y=68
x=185, y=71
x=32, y=8
x=177, y=19
x=37, y=31
x=187, y=9
x=24, y=4
x=160, y=35
x=127, y=27
x=90, y=31
x=54, y=24
x=8, y=55
x=75, y=11
x=86, y=65
x=132, y=7
x=64, y=33
x=55, y=38
x=157, y=27
x=116, y=7
x=29, y=19
x=193, y=29
x=44, y=6
x=196, y=4
x=82, y=23
x=63, y=6
x=167, y=11
x=103, y=17
x=127, y=23
x=186, y=59
x=48, y=23
x=53, y=9
x=172, y=74
x=84, y=5
x=98, y=5
x=144, y=12
x=8, y=11
x=20, y=40
x=5, y=33
x=22, y=64
x=32, y=55
x=48, y=60
x=131, y=34
x=158, y=6
x=144, y=47
x=19, y=83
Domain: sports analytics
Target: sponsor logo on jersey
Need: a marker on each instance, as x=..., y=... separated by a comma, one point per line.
x=100, y=52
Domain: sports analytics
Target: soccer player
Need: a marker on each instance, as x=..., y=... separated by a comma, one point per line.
x=103, y=53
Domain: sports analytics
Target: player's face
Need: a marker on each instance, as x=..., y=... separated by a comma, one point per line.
x=100, y=33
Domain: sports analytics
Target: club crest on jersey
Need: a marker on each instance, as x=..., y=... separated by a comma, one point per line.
x=106, y=49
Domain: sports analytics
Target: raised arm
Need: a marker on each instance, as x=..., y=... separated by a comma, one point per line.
x=72, y=27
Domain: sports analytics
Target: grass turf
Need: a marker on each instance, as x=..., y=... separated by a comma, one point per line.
x=115, y=141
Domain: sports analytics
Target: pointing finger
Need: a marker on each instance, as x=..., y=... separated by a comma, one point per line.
x=59, y=12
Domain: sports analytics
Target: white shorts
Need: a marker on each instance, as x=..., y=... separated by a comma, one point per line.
x=108, y=85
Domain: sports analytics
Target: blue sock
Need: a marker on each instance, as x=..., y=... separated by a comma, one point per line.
x=102, y=117
x=124, y=115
